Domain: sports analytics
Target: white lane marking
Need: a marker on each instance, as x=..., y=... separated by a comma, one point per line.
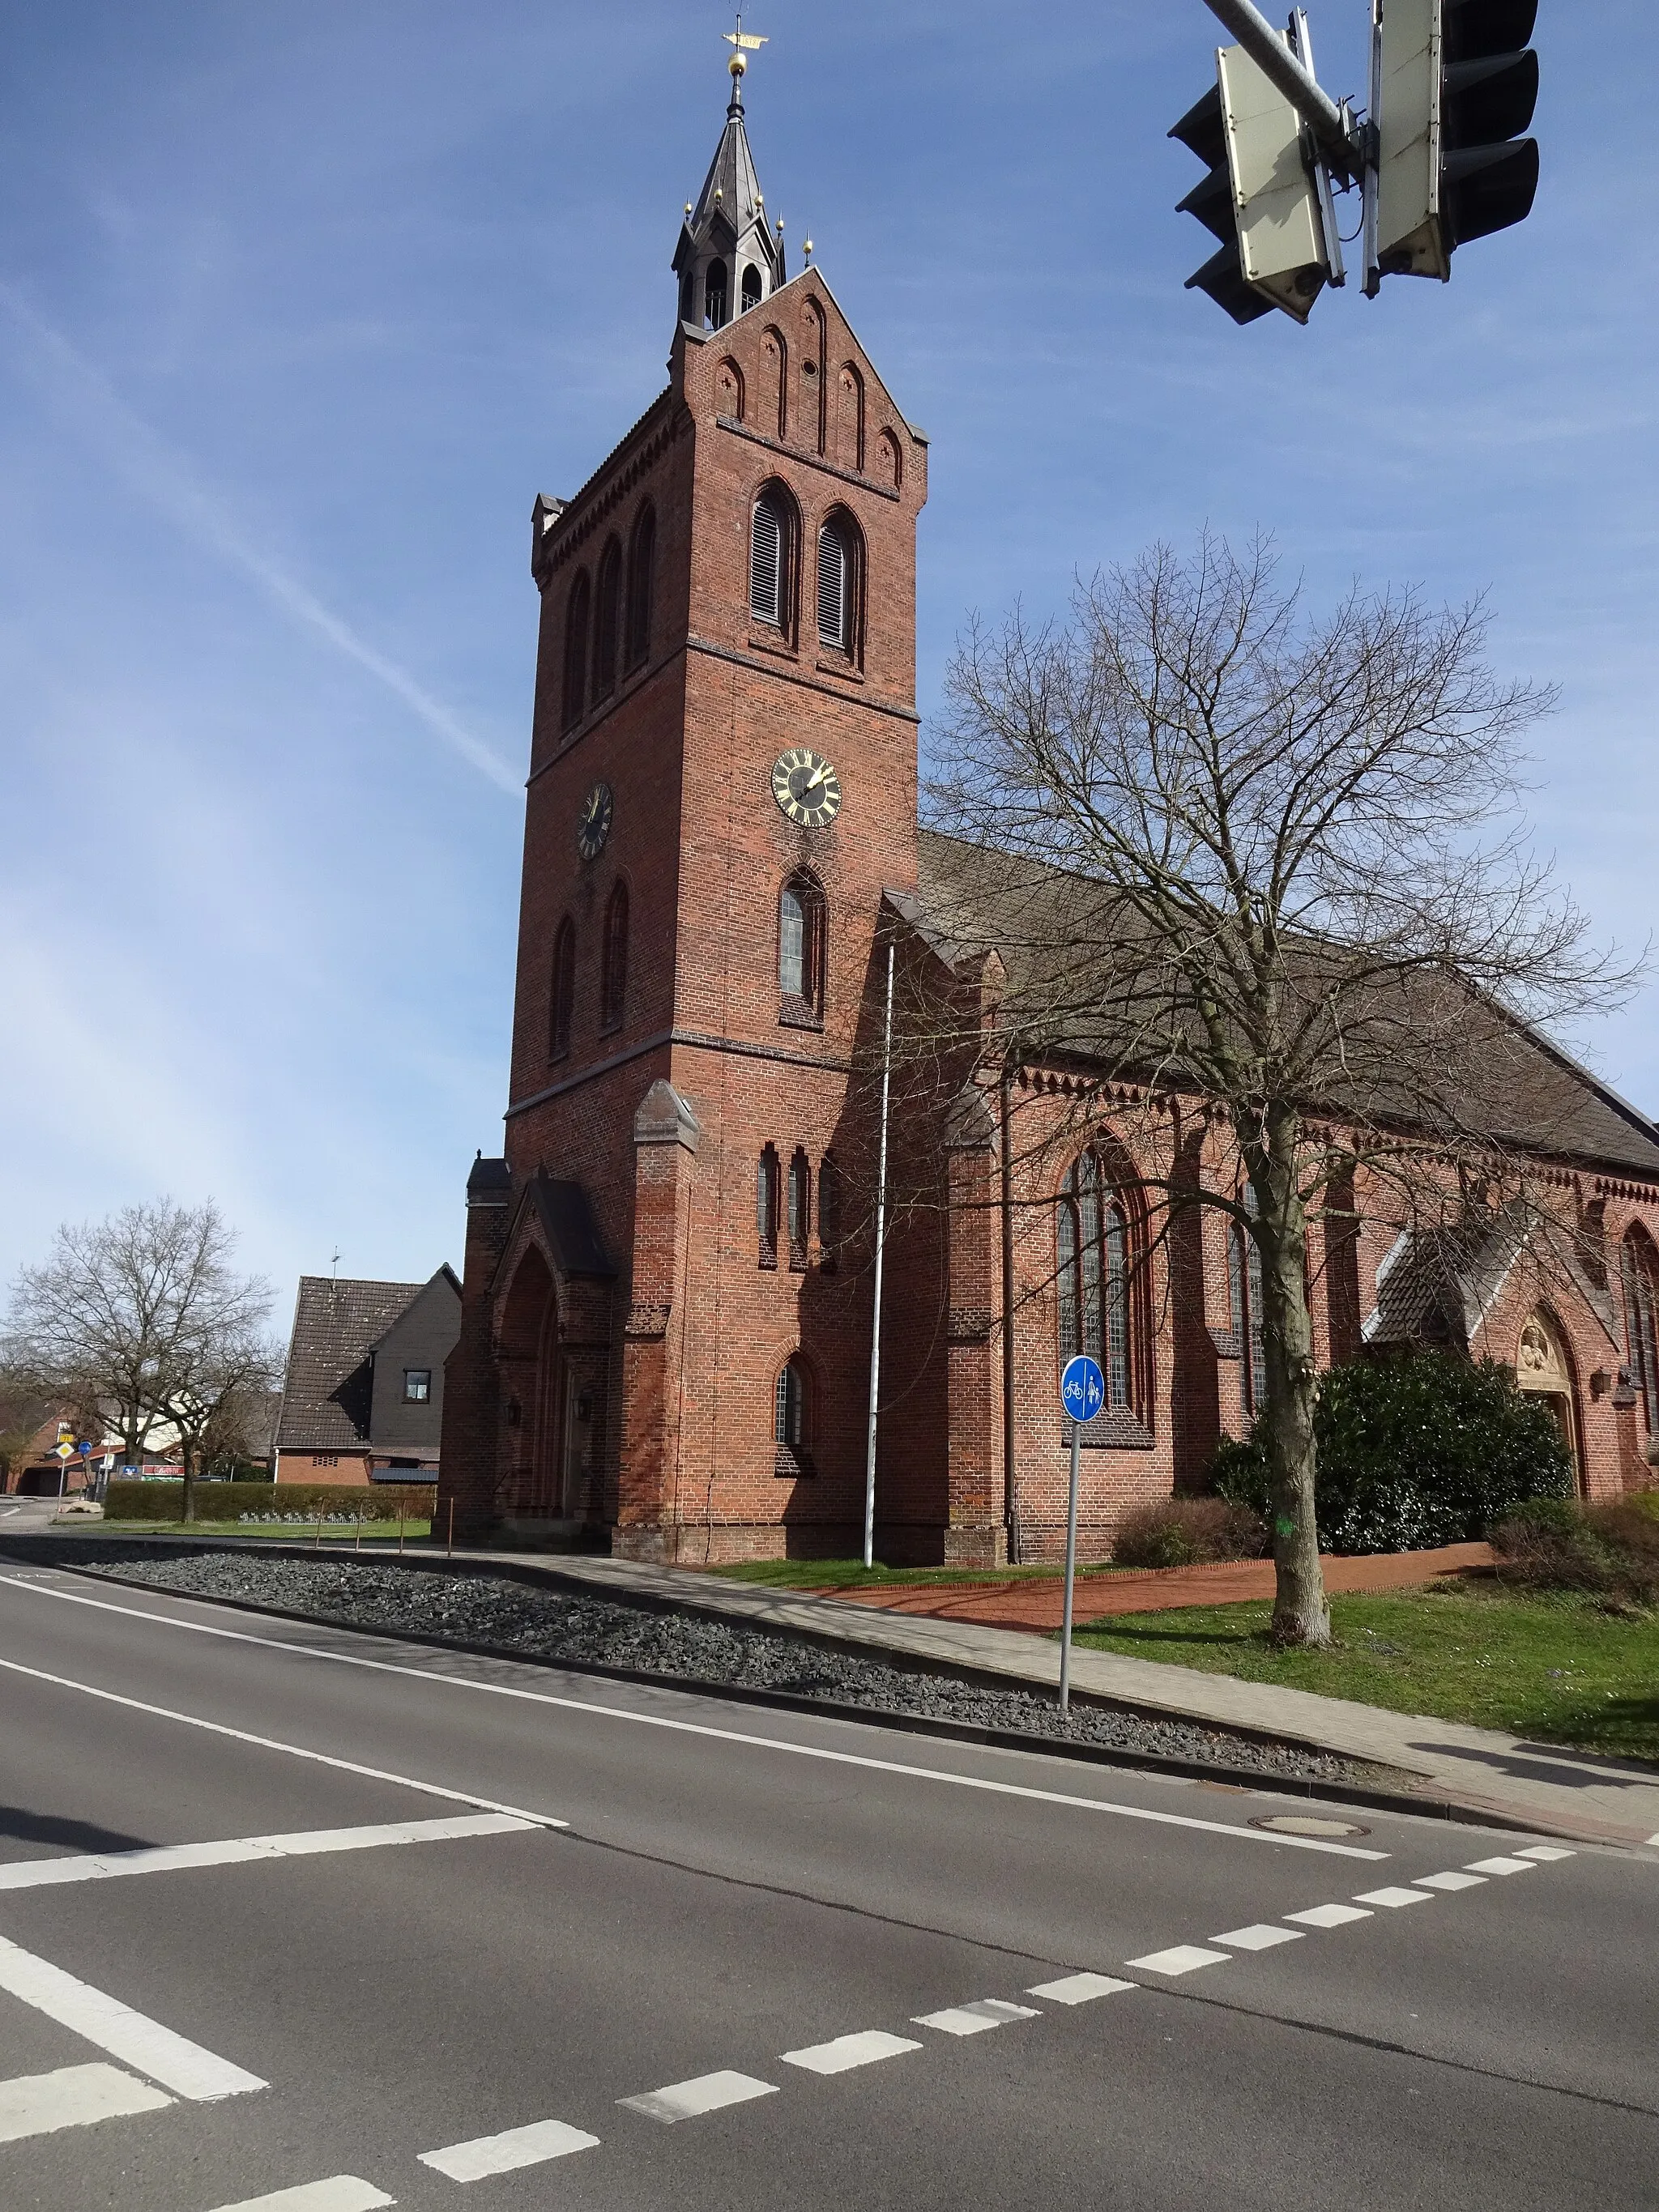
x=182, y=2067
x=974, y=2018
x=1180, y=1959
x=341, y=2192
x=73, y=2097
x=1449, y=1880
x=1501, y=1866
x=303, y=1843
x=641, y=1719
x=1549, y=1853
x=841, y=2054
x=270, y=1743
x=1330, y=1916
x=689, y=2100
x=1260, y=1936
x=1079, y=1988
x=1394, y=1898
x=506, y=2153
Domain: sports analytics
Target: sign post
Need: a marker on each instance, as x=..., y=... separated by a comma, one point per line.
x=1082, y=1392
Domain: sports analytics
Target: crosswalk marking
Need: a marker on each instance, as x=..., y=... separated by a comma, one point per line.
x=1450, y=1881
x=1260, y=1936
x=706, y=2093
x=506, y=2153
x=304, y=1843
x=974, y=2019
x=1330, y=1916
x=844, y=2052
x=1393, y=1898
x=181, y=2066
x=72, y=2097
x=1079, y=1988
x=1502, y=1866
x=1549, y=1853
x=1180, y=1958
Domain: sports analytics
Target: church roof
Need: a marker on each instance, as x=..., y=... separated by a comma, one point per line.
x=1524, y=1091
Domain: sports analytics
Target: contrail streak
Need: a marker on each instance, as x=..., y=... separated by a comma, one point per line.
x=166, y=480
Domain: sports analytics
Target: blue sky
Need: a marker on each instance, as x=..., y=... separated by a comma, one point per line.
x=300, y=307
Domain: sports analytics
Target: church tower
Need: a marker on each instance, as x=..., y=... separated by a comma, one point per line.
x=666, y=1332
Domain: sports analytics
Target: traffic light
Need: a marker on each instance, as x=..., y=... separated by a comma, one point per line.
x=1265, y=197
x=1455, y=82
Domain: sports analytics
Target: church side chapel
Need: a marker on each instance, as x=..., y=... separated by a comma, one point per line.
x=667, y=1324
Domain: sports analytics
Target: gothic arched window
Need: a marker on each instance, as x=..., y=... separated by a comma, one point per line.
x=1245, y=1302
x=576, y=616
x=800, y=1208
x=838, y=577
x=641, y=568
x=801, y=944
x=767, y=1205
x=607, y=630
x=789, y=1407
x=1636, y=1264
x=562, y=997
x=769, y=544
x=829, y=1213
x=1094, y=1255
x=751, y=288
x=714, y=295
x=613, y=970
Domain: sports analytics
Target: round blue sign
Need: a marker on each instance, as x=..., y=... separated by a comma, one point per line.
x=1083, y=1388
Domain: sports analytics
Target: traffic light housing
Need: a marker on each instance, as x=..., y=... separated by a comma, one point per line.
x=1261, y=197
x=1456, y=85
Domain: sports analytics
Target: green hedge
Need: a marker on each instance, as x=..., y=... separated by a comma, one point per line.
x=271, y=1501
x=1414, y=1453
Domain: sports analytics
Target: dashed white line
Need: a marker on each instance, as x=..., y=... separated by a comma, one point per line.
x=341, y=2192
x=844, y=2052
x=1549, y=1853
x=1502, y=1866
x=304, y=1843
x=182, y=2067
x=707, y=2093
x=1330, y=1916
x=1394, y=1898
x=73, y=2097
x=975, y=2018
x=1180, y=1958
x=1079, y=1988
x=1450, y=1881
x=506, y=2153
x=1260, y=1936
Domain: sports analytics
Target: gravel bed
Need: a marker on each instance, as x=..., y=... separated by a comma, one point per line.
x=510, y=1616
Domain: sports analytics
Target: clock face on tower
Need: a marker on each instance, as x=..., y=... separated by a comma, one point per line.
x=593, y=823
x=806, y=787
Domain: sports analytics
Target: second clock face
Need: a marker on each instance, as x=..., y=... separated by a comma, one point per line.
x=593, y=823
x=806, y=787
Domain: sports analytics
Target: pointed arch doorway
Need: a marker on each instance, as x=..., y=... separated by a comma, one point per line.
x=538, y=1398
x=1543, y=1368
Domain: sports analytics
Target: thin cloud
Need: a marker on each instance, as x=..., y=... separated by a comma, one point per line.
x=167, y=481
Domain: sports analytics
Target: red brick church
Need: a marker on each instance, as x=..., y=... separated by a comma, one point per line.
x=667, y=1323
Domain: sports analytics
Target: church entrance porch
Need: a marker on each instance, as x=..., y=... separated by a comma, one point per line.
x=540, y=1485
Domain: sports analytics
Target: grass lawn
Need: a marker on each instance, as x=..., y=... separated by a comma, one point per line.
x=853, y=1574
x=292, y=1532
x=1549, y=1666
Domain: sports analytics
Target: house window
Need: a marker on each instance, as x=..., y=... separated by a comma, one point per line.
x=837, y=580
x=641, y=566
x=613, y=978
x=789, y=1407
x=767, y=1200
x=769, y=557
x=417, y=1386
x=563, y=996
x=576, y=616
x=800, y=1209
x=1093, y=1276
x=1636, y=1265
x=801, y=936
x=607, y=629
x=324, y=1459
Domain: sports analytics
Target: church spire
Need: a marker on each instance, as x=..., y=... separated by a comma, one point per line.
x=728, y=259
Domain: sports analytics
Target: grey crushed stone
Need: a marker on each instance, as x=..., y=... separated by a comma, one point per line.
x=510, y=1616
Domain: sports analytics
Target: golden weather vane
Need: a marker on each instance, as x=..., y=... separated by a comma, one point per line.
x=743, y=44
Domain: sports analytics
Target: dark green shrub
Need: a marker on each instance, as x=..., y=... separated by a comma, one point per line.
x=1413, y=1453
x=270, y=1501
x=1184, y=1532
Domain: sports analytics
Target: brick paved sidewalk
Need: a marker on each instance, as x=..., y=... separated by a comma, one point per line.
x=1039, y=1605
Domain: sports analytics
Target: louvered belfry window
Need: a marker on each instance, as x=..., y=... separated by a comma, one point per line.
x=834, y=587
x=766, y=553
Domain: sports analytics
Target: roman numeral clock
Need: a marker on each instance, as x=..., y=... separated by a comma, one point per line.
x=806, y=787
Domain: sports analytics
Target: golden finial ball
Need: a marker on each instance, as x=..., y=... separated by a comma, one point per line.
x=738, y=64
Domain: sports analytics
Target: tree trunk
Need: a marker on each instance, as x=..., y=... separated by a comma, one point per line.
x=1301, y=1615
x=187, y=1509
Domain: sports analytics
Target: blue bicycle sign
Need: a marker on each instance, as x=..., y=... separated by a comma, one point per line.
x=1083, y=1388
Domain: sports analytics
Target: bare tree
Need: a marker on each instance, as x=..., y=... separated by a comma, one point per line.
x=1231, y=851
x=145, y=1314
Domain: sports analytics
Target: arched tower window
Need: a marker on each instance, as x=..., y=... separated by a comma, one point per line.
x=562, y=997
x=715, y=295
x=576, y=617
x=771, y=536
x=789, y=1407
x=1095, y=1309
x=838, y=566
x=751, y=288
x=800, y=1208
x=613, y=974
x=1636, y=1260
x=641, y=577
x=801, y=947
x=767, y=1204
x=607, y=629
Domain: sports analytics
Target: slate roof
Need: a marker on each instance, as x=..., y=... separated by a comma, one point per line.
x=326, y=1393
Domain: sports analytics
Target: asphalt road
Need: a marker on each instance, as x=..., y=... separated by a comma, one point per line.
x=433, y=1981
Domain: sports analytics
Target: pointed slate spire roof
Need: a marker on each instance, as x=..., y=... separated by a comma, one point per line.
x=728, y=236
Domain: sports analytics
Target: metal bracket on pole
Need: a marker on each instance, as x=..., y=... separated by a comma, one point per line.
x=1314, y=159
x=1371, y=177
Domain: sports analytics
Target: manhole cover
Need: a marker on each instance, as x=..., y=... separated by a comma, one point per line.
x=1302, y=1824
